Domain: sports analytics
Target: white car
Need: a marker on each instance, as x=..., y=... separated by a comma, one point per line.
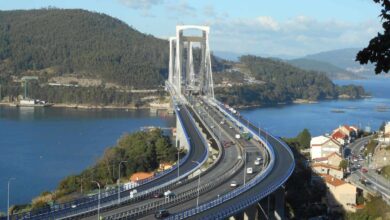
x=238, y=136
x=222, y=122
x=257, y=162
x=249, y=170
x=233, y=184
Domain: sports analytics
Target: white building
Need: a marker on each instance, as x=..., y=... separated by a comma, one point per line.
x=323, y=146
x=387, y=128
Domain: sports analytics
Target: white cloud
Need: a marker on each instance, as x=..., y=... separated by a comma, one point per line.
x=140, y=4
x=182, y=8
x=268, y=23
x=296, y=36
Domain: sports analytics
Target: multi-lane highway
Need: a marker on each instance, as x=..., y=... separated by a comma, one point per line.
x=217, y=198
x=282, y=168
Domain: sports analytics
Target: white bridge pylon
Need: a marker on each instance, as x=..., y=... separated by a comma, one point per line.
x=182, y=75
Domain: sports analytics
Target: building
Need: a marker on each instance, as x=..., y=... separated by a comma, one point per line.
x=346, y=132
x=332, y=159
x=340, y=137
x=323, y=146
x=340, y=194
x=327, y=169
x=387, y=129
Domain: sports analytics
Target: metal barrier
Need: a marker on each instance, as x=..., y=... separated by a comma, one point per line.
x=94, y=198
x=258, y=178
x=145, y=193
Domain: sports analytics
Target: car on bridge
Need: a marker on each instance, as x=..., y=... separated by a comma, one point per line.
x=233, y=184
x=162, y=213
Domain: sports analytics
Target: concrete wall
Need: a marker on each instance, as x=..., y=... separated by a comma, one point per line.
x=180, y=135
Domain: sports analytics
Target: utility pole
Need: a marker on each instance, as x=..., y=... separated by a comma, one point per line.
x=9, y=181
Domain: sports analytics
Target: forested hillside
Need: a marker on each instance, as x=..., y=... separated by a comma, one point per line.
x=89, y=44
x=283, y=83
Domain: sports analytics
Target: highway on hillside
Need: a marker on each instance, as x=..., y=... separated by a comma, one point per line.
x=227, y=133
x=374, y=183
x=228, y=160
x=197, y=153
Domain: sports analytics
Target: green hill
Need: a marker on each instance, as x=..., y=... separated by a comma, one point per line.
x=59, y=42
x=283, y=83
x=332, y=71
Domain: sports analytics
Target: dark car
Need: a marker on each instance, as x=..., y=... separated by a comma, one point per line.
x=162, y=213
x=158, y=195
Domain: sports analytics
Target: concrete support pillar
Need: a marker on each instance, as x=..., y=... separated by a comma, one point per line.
x=180, y=135
x=279, y=195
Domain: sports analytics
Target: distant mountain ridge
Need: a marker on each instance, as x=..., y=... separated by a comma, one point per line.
x=343, y=58
x=332, y=71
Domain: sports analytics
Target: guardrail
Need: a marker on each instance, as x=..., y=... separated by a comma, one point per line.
x=181, y=197
x=145, y=193
x=63, y=207
x=258, y=178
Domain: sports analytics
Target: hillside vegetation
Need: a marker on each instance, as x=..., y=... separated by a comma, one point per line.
x=284, y=83
x=332, y=71
x=98, y=60
x=59, y=42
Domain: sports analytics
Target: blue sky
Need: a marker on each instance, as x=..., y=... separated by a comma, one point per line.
x=287, y=28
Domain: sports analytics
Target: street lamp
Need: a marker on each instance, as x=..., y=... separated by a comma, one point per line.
x=98, y=209
x=9, y=181
x=197, y=198
x=244, y=166
x=178, y=159
x=119, y=180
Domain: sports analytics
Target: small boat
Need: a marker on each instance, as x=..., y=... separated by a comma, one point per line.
x=33, y=103
x=337, y=111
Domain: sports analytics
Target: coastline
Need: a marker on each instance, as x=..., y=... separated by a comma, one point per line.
x=297, y=101
x=92, y=107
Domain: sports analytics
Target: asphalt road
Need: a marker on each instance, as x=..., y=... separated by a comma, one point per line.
x=228, y=131
x=375, y=182
x=283, y=161
x=196, y=153
x=227, y=162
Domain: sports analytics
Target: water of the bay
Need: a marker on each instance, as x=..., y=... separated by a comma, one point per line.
x=40, y=147
x=323, y=117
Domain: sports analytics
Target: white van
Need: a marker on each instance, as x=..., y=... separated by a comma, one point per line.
x=249, y=170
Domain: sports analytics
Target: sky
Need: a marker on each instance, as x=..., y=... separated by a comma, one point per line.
x=279, y=28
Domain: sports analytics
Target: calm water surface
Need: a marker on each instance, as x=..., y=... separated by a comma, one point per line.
x=288, y=120
x=39, y=147
x=43, y=145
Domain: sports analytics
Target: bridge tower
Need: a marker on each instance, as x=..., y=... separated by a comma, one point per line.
x=183, y=75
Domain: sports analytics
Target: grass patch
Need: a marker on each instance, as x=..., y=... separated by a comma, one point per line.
x=375, y=208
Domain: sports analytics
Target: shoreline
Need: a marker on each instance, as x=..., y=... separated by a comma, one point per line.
x=145, y=107
x=294, y=102
x=91, y=107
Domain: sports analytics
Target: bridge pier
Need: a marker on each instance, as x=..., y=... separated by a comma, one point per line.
x=180, y=135
x=269, y=208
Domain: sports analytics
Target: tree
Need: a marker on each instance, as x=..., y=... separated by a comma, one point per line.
x=304, y=138
x=378, y=50
x=343, y=164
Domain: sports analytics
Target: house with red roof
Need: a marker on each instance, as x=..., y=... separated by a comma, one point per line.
x=340, y=194
x=345, y=134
